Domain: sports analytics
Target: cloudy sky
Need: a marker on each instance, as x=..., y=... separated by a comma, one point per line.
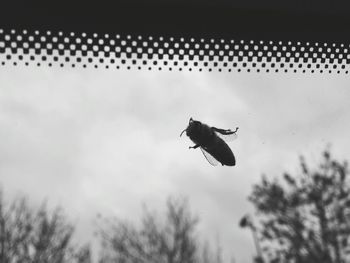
x=107, y=141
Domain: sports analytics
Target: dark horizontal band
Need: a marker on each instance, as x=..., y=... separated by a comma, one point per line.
x=251, y=19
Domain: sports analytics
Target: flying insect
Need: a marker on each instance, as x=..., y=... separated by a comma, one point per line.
x=211, y=141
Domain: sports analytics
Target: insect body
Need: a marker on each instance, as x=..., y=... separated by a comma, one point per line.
x=211, y=141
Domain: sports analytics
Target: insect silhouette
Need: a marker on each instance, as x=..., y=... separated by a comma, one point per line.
x=211, y=141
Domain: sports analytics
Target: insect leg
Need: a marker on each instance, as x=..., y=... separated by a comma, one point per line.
x=225, y=132
x=194, y=147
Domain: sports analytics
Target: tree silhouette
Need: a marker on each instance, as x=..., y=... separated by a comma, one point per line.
x=305, y=218
x=28, y=235
x=173, y=241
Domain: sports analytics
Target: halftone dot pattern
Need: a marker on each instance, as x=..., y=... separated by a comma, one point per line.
x=79, y=49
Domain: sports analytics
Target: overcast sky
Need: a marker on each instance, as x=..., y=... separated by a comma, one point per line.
x=106, y=141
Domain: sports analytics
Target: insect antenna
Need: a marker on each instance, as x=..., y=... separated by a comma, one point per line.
x=183, y=132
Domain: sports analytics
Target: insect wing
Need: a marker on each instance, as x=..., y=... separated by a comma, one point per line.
x=209, y=157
